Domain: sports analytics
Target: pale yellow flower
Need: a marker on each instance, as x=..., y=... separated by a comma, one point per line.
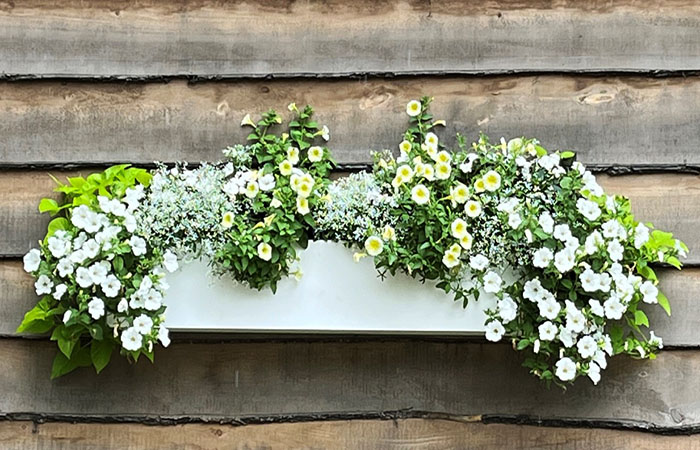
x=286, y=167
x=413, y=108
x=428, y=172
x=304, y=189
x=264, y=251
x=374, y=245
x=431, y=140
x=293, y=155
x=420, y=194
x=492, y=180
x=440, y=122
x=292, y=106
x=460, y=193
x=450, y=259
x=479, y=185
x=458, y=228
x=405, y=146
x=472, y=208
x=405, y=173
x=247, y=121
x=466, y=241
x=227, y=220
x=358, y=256
x=396, y=182
x=252, y=189
x=302, y=205
x=444, y=157
x=275, y=203
x=389, y=234
x=315, y=154
x=442, y=171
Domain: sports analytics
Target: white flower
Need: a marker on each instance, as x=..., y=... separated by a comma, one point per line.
x=492, y=180
x=589, y=209
x=58, y=247
x=590, y=281
x=413, y=108
x=93, y=222
x=614, y=229
x=131, y=339
x=450, y=259
x=152, y=300
x=542, y=257
x=549, y=308
x=66, y=316
x=599, y=359
x=83, y=278
x=90, y=248
x=59, y=291
x=649, y=292
x=466, y=166
x=130, y=223
x=614, y=308
x=655, y=340
x=458, y=228
x=562, y=232
x=641, y=235
x=510, y=205
x=31, y=260
x=79, y=216
x=111, y=286
x=123, y=306
x=460, y=193
x=286, y=167
x=466, y=241
x=264, y=251
x=587, y=346
x=596, y=308
x=132, y=196
x=164, y=336
x=615, y=250
x=388, y=233
x=548, y=162
x=315, y=154
x=564, y=260
x=494, y=331
x=98, y=272
x=472, y=208
x=275, y=203
x=546, y=222
x=478, y=262
x=533, y=290
x=507, y=309
x=43, y=285
x=593, y=242
x=267, y=182
x=96, y=308
x=252, y=189
x=325, y=133
x=302, y=205
x=138, y=245
x=575, y=320
x=514, y=220
x=492, y=282
x=170, y=261
x=548, y=331
x=143, y=324
x=420, y=194
x=405, y=173
x=227, y=220
x=594, y=372
x=374, y=245
x=442, y=170
x=566, y=369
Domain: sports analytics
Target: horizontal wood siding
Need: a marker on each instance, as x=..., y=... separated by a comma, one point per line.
x=209, y=38
x=247, y=381
x=623, y=121
x=418, y=434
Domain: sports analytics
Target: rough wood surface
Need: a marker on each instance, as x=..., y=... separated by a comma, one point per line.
x=670, y=202
x=609, y=121
x=682, y=288
x=70, y=38
x=418, y=434
x=249, y=381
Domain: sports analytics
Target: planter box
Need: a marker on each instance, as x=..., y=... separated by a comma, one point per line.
x=335, y=295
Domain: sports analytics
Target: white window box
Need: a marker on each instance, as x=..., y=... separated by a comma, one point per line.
x=335, y=295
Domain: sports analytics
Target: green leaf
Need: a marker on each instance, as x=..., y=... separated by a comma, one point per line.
x=118, y=264
x=48, y=205
x=640, y=318
x=66, y=345
x=36, y=320
x=59, y=223
x=63, y=365
x=523, y=344
x=101, y=353
x=567, y=154
x=663, y=302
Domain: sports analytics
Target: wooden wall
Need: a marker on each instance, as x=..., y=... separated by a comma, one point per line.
x=86, y=84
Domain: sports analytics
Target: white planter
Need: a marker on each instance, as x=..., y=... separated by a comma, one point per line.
x=335, y=295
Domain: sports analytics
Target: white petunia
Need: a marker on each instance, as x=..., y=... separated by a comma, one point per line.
x=58, y=247
x=655, y=340
x=533, y=290
x=507, y=309
x=123, y=306
x=43, y=285
x=548, y=162
x=252, y=189
x=641, y=235
x=96, y=308
x=509, y=206
x=152, y=300
x=164, y=335
x=420, y=194
x=549, y=308
x=589, y=209
x=111, y=286
x=596, y=308
x=90, y=248
x=267, y=182
x=590, y=281
x=478, y=262
x=131, y=339
x=130, y=223
x=170, y=261
x=492, y=282
x=565, y=369
x=138, y=245
x=562, y=232
x=494, y=331
x=542, y=257
x=575, y=320
x=460, y=194
x=593, y=242
x=325, y=133
x=566, y=337
x=32, y=260
x=98, y=272
x=614, y=229
x=83, y=278
x=546, y=222
x=302, y=205
x=614, y=309
x=615, y=250
x=143, y=324
x=59, y=291
x=67, y=315
x=649, y=292
x=548, y=331
x=450, y=259
x=514, y=220
x=594, y=372
x=587, y=346
x=374, y=245
x=564, y=260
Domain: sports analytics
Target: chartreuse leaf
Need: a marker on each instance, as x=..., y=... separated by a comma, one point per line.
x=48, y=205
x=36, y=320
x=640, y=318
x=59, y=223
x=663, y=302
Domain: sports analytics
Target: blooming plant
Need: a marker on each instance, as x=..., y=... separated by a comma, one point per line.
x=101, y=284
x=568, y=266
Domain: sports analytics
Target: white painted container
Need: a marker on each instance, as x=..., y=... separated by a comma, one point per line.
x=335, y=295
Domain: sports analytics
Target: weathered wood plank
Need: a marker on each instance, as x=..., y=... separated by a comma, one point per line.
x=682, y=288
x=670, y=202
x=70, y=38
x=419, y=434
x=253, y=380
x=610, y=121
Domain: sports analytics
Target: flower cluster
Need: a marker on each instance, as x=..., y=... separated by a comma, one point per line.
x=566, y=264
x=101, y=284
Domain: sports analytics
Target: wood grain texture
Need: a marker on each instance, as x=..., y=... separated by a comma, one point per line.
x=69, y=38
x=609, y=121
x=682, y=288
x=250, y=381
x=418, y=434
x=670, y=201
